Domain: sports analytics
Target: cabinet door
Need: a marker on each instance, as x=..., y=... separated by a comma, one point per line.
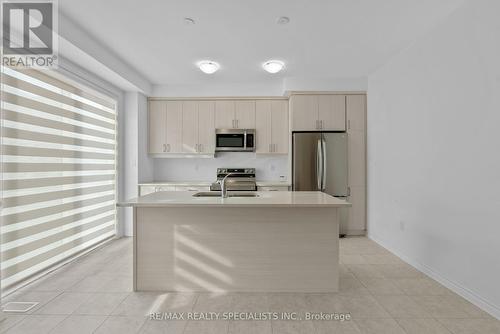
x=356, y=112
x=272, y=188
x=174, y=127
x=263, y=126
x=331, y=111
x=304, y=111
x=245, y=114
x=356, y=158
x=192, y=188
x=206, y=127
x=157, y=126
x=189, y=126
x=224, y=115
x=279, y=126
x=357, y=212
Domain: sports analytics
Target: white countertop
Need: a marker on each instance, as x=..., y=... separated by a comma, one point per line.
x=207, y=183
x=265, y=199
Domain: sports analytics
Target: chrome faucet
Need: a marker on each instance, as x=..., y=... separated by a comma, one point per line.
x=223, y=188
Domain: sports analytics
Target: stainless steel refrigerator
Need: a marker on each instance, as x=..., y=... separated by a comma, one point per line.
x=320, y=164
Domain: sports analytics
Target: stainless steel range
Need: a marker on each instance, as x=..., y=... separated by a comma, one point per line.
x=238, y=179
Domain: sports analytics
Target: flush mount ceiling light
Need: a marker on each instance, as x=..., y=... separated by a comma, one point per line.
x=189, y=21
x=273, y=66
x=208, y=66
x=283, y=20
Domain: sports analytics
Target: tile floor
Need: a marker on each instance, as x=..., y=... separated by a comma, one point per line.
x=382, y=294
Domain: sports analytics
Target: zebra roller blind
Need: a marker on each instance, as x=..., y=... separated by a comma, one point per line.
x=58, y=172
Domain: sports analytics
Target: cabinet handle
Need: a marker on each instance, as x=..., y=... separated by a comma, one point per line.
x=321, y=124
x=164, y=148
x=349, y=124
x=168, y=147
x=274, y=148
x=348, y=191
x=237, y=123
x=196, y=147
x=200, y=147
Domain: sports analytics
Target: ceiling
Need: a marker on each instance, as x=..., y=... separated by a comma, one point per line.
x=335, y=38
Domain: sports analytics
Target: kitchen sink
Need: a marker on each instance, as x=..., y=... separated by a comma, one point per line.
x=229, y=194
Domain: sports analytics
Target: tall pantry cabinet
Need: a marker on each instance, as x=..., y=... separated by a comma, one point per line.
x=356, y=144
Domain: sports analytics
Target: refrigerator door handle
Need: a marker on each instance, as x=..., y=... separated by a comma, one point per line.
x=319, y=165
x=323, y=157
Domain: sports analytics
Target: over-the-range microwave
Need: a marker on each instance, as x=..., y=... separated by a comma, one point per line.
x=235, y=140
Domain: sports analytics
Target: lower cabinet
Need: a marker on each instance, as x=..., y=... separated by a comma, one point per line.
x=145, y=190
x=356, y=220
x=272, y=188
x=148, y=189
x=192, y=188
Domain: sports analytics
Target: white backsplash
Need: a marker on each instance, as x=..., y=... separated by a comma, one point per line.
x=268, y=168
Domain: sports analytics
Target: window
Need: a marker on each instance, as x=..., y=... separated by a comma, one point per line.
x=58, y=172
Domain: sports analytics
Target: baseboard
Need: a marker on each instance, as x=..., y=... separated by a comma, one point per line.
x=472, y=297
x=355, y=232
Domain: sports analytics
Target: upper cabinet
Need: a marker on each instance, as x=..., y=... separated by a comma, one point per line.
x=318, y=112
x=331, y=112
x=271, y=119
x=206, y=127
x=235, y=114
x=174, y=127
x=165, y=123
x=356, y=112
x=244, y=115
x=224, y=115
x=304, y=112
x=181, y=127
x=198, y=127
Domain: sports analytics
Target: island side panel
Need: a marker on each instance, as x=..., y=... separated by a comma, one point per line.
x=237, y=249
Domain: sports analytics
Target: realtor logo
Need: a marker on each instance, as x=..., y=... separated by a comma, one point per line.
x=28, y=33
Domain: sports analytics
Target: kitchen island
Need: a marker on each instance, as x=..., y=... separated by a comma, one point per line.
x=273, y=242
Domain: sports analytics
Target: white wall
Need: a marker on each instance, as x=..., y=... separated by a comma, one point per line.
x=130, y=157
x=268, y=168
x=433, y=153
x=271, y=87
x=137, y=165
x=145, y=164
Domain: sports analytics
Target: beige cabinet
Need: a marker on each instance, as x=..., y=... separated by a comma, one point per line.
x=189, y=126
x=271, y=119
x=157, y=127
x=331, y=112
x=165, y=127
x=356, y=223
x=238, y=114
x=356, y=132
x=198, y=129
x=224, y=114
x=272, y=188
x=356, y=112
x=356, y=154
x=318, y=112
x=244, y=115
x=206, y=127
x=174, y=127
x=304, y=112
